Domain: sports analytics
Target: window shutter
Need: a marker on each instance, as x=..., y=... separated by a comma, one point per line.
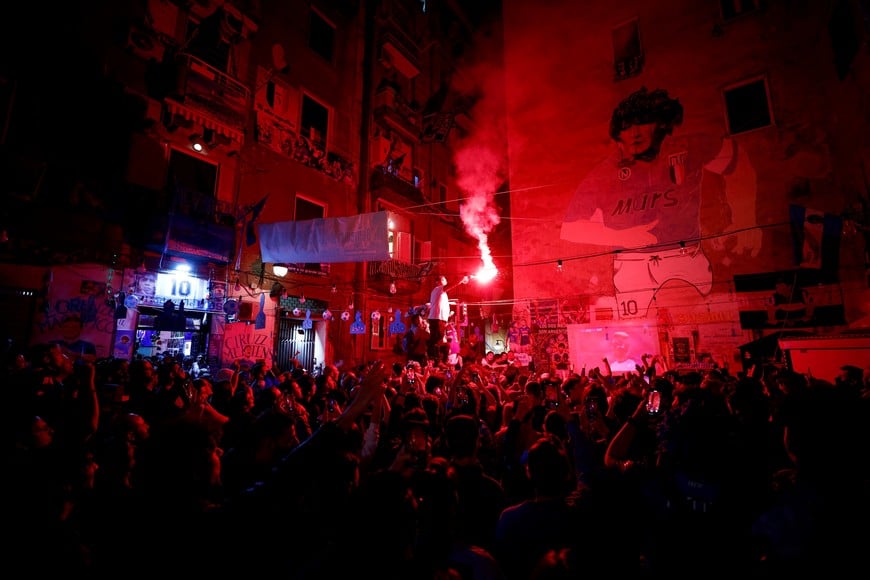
x=403, y=247
x=424, y=252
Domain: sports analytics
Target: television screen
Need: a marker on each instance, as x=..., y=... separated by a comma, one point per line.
x=623, y=343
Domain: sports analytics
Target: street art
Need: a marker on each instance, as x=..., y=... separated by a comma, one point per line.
x=244, y=342
x=76, y=312
x=644, y=201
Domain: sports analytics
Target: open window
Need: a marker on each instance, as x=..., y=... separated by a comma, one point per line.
x=627, y=51
x=314, y=122
x=747, y=106
x=321, y=35
x=310, y=209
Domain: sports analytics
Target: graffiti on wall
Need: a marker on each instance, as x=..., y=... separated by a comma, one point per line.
x=243, y=342
x=75, y=312
x=645, y=199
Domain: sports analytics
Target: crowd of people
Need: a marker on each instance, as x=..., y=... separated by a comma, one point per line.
x=423, y=469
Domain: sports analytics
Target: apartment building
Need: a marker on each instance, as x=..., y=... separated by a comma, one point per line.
x=176, y=129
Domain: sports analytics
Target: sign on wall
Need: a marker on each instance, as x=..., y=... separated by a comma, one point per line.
x=76, y=313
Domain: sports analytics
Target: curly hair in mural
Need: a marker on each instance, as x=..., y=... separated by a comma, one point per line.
x=645, y=107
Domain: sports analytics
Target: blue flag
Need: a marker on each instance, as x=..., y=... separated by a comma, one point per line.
x=254, y=213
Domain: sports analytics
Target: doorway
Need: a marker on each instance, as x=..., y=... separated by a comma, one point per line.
x=295, y=342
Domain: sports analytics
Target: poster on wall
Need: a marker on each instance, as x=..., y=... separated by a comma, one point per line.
x=682, y=350
x=76, y=314
x=242, y=342
x=125, y=336
x=623, y=343
x=124, y=340
x=789, y=299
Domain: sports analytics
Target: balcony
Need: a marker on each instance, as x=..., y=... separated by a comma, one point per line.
x=406, y=277
x=385, y=178
x=398, y=51
x=391, y=109
x=208, y=96
x=310, y=153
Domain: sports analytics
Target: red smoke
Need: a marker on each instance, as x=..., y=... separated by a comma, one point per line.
x=481, y=159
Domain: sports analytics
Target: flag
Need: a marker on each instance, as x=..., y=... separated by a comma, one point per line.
x=816, y=236
x=251, y=218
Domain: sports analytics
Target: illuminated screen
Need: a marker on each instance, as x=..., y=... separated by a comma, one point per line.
x=623, y=343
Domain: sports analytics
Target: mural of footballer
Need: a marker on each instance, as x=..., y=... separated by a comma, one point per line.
x=645, y=200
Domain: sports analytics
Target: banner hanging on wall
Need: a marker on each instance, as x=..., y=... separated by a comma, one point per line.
x=359, y=238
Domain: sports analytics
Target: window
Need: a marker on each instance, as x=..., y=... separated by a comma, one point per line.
x=747, y=106
x=627, y=52
x=315, y=121
x=308, y=209
x=400, y=238
x=191, y=177
x=845, y=37
x=734, y=8
x=205, y=42
x=422, y=252
x=321, y=35
x=276, y=107
x=400, y=246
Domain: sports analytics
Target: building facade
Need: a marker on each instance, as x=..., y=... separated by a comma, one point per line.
x=694, y=174
x=185, y=126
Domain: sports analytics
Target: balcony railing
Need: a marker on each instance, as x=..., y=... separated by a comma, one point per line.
x=205, y=88
x=311, y=154
x=399, y=270
x=394, y=110
x=385, y=176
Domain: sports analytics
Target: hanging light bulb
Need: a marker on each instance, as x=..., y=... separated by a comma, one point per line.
x=334, y=289
x=683, y=249
x=238, y=286
x=279, y=270
x=559, y=265
x=393, y=287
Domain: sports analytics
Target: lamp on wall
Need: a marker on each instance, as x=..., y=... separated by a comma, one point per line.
x=197, y=143
x=279, y=270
